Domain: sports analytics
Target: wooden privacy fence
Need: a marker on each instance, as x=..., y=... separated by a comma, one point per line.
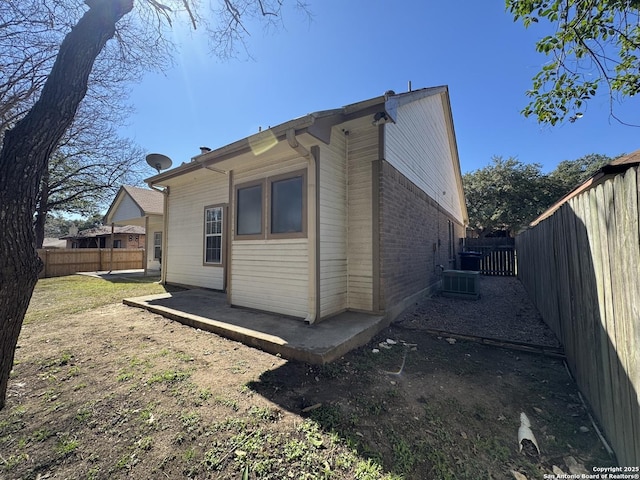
x=498, y=255
x=67, y=261
x=581, y=267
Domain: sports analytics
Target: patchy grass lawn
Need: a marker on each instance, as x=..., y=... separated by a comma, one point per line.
x=102, y=391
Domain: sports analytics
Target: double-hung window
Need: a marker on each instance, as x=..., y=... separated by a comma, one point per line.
x=157, y=245
x=213, y=217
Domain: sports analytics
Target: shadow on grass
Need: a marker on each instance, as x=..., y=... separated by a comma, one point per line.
x=443, y=411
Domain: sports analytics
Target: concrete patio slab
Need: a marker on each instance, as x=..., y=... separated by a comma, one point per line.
x=293, y=339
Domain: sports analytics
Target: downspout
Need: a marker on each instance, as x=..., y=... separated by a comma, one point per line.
x=165, y=232
x=146, y=244
x=312, y=225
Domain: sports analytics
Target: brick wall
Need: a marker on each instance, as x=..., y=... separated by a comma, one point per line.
x=414, y=238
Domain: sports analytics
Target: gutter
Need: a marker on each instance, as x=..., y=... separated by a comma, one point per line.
x=244, y=145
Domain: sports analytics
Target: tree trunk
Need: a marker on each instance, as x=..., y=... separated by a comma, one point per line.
x=23, y=161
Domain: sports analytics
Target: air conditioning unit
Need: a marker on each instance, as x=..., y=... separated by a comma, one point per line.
x=461, y=283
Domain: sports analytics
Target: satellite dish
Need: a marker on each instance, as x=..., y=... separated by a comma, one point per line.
x=159, y=161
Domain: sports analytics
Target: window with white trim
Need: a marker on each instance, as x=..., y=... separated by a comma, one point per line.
x=213, y=217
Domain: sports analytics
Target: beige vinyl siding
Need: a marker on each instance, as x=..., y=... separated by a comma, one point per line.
x=126, y=210
x=270, y=274
x=187, y=200
x=362, y=150
x=333, y=225
x=262, y=168
x=418, y=146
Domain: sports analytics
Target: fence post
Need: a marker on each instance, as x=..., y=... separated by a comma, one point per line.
x=111, y=251
x=46, y=262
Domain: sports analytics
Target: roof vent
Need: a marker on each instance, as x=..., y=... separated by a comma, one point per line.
x=204, y=150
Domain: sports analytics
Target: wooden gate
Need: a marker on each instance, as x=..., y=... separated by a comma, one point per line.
x=498, y=255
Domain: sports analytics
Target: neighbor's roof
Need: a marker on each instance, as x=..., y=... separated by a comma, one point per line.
x=105, y=231
x=50, y=242
x=149, y=201
x=317, y=124
x=614, y=167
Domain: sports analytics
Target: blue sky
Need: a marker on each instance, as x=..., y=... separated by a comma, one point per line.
x=353, y=50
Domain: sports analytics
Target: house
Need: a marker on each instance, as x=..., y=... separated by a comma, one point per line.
x=129, y=236
x=144, y=208
x=357, y=208
x=53, y=243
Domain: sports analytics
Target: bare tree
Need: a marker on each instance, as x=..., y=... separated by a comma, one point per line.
x=90, y=164
x=91, y=158
x=33, y=134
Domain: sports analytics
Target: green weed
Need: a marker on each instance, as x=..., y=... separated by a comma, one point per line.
x=185, y=357
x=14, y=460
x=189, y=454
x=145, y=443
x=125, y=462
x=124, y=375
x=368, y=470
x=190, y=421
x=84, y=414
x=93, y=473
x=66, y=445
x=168, y=376
x=228, y=402
x=264, y=413
x=205, y=394
x=41, y=435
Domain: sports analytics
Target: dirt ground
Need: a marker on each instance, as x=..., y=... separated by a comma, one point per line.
x=116, y=392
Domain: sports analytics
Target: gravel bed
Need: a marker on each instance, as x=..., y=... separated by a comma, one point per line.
x=503, y=312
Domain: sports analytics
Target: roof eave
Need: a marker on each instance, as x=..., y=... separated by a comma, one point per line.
x=317, y=124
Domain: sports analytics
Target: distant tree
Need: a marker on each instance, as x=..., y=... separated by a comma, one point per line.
x=508, y=194
x=570, y=173
x=58, y=226
x=32, y=132
x=85, y=173
x=505, y=195
x=595, y=43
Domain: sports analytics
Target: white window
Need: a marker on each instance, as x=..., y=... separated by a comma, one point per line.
x=157, y=245
x=213, y=235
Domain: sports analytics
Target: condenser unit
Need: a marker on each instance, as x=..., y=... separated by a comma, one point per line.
x=461, y=283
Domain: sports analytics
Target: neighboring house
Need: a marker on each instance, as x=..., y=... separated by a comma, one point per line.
x=53, y=243
x=357, y=208
x=145, y=208
x=129, y=236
